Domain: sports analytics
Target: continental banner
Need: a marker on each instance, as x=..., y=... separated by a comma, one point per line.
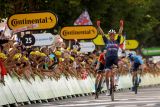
x=78, y=32
x=42, y=20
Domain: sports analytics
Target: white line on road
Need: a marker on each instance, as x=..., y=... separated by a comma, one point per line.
x=107, y=103
x=127, y=106
x=151, y=105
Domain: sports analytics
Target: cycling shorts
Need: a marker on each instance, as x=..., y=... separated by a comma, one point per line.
x=136, y=66
x=101, y=68
x=110, y=61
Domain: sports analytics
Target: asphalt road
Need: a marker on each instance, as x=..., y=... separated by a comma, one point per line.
x=146, y=97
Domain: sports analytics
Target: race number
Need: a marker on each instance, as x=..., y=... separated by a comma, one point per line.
x=28, y=40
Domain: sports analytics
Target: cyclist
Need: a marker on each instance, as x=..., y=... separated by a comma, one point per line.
x=112, y=47
x=100, y=69
x=136, y=62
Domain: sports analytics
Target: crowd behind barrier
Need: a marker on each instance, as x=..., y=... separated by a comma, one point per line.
x=54, y=61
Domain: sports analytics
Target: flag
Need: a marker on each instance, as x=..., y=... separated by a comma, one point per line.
x=83, y=19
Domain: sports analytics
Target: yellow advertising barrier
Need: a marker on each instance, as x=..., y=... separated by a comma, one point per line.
x=78, y=32
x=43, y=20
x=99, y=40
x=131, y=44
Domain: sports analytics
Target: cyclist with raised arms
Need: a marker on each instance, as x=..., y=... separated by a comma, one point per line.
x=112, y=47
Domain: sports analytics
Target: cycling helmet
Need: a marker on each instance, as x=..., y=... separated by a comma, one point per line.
x=130, y=55
x=112, y=31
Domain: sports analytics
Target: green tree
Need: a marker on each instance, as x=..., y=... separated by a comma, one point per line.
x=141, y=17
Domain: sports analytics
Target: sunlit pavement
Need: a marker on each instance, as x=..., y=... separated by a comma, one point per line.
x=146, y=97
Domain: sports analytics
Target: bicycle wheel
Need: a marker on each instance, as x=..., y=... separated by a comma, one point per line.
x=112, y=89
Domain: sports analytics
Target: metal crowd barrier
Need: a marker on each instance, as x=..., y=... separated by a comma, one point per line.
x=21, y=91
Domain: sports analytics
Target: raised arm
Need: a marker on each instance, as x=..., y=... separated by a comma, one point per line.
x=99, y=28
x=101, y=32
x=120, y=31
x=121, y=28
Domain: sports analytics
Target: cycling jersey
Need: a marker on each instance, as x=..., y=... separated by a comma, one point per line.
x=112, y=52
x=137, y=59
x=101, y=62
x=112, y=46
x=102, y=58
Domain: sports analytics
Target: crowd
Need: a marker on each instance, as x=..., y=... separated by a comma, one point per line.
x=16, y=59
x=53, y=62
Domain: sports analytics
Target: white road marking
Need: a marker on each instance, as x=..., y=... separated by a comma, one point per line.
x=107, y=103
x=151, y=105
x=127, y=106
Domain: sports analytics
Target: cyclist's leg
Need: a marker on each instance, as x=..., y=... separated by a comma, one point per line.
x=101, y=82
x=108, y=70
x=133, y=77
x=107, y=75
x=115, y=62
x=134, y=74
x=108, y=82
x=139, y=73
x=109, y=63
x=98, y=78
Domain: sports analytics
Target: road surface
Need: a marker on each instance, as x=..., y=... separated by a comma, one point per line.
x=146, y=97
